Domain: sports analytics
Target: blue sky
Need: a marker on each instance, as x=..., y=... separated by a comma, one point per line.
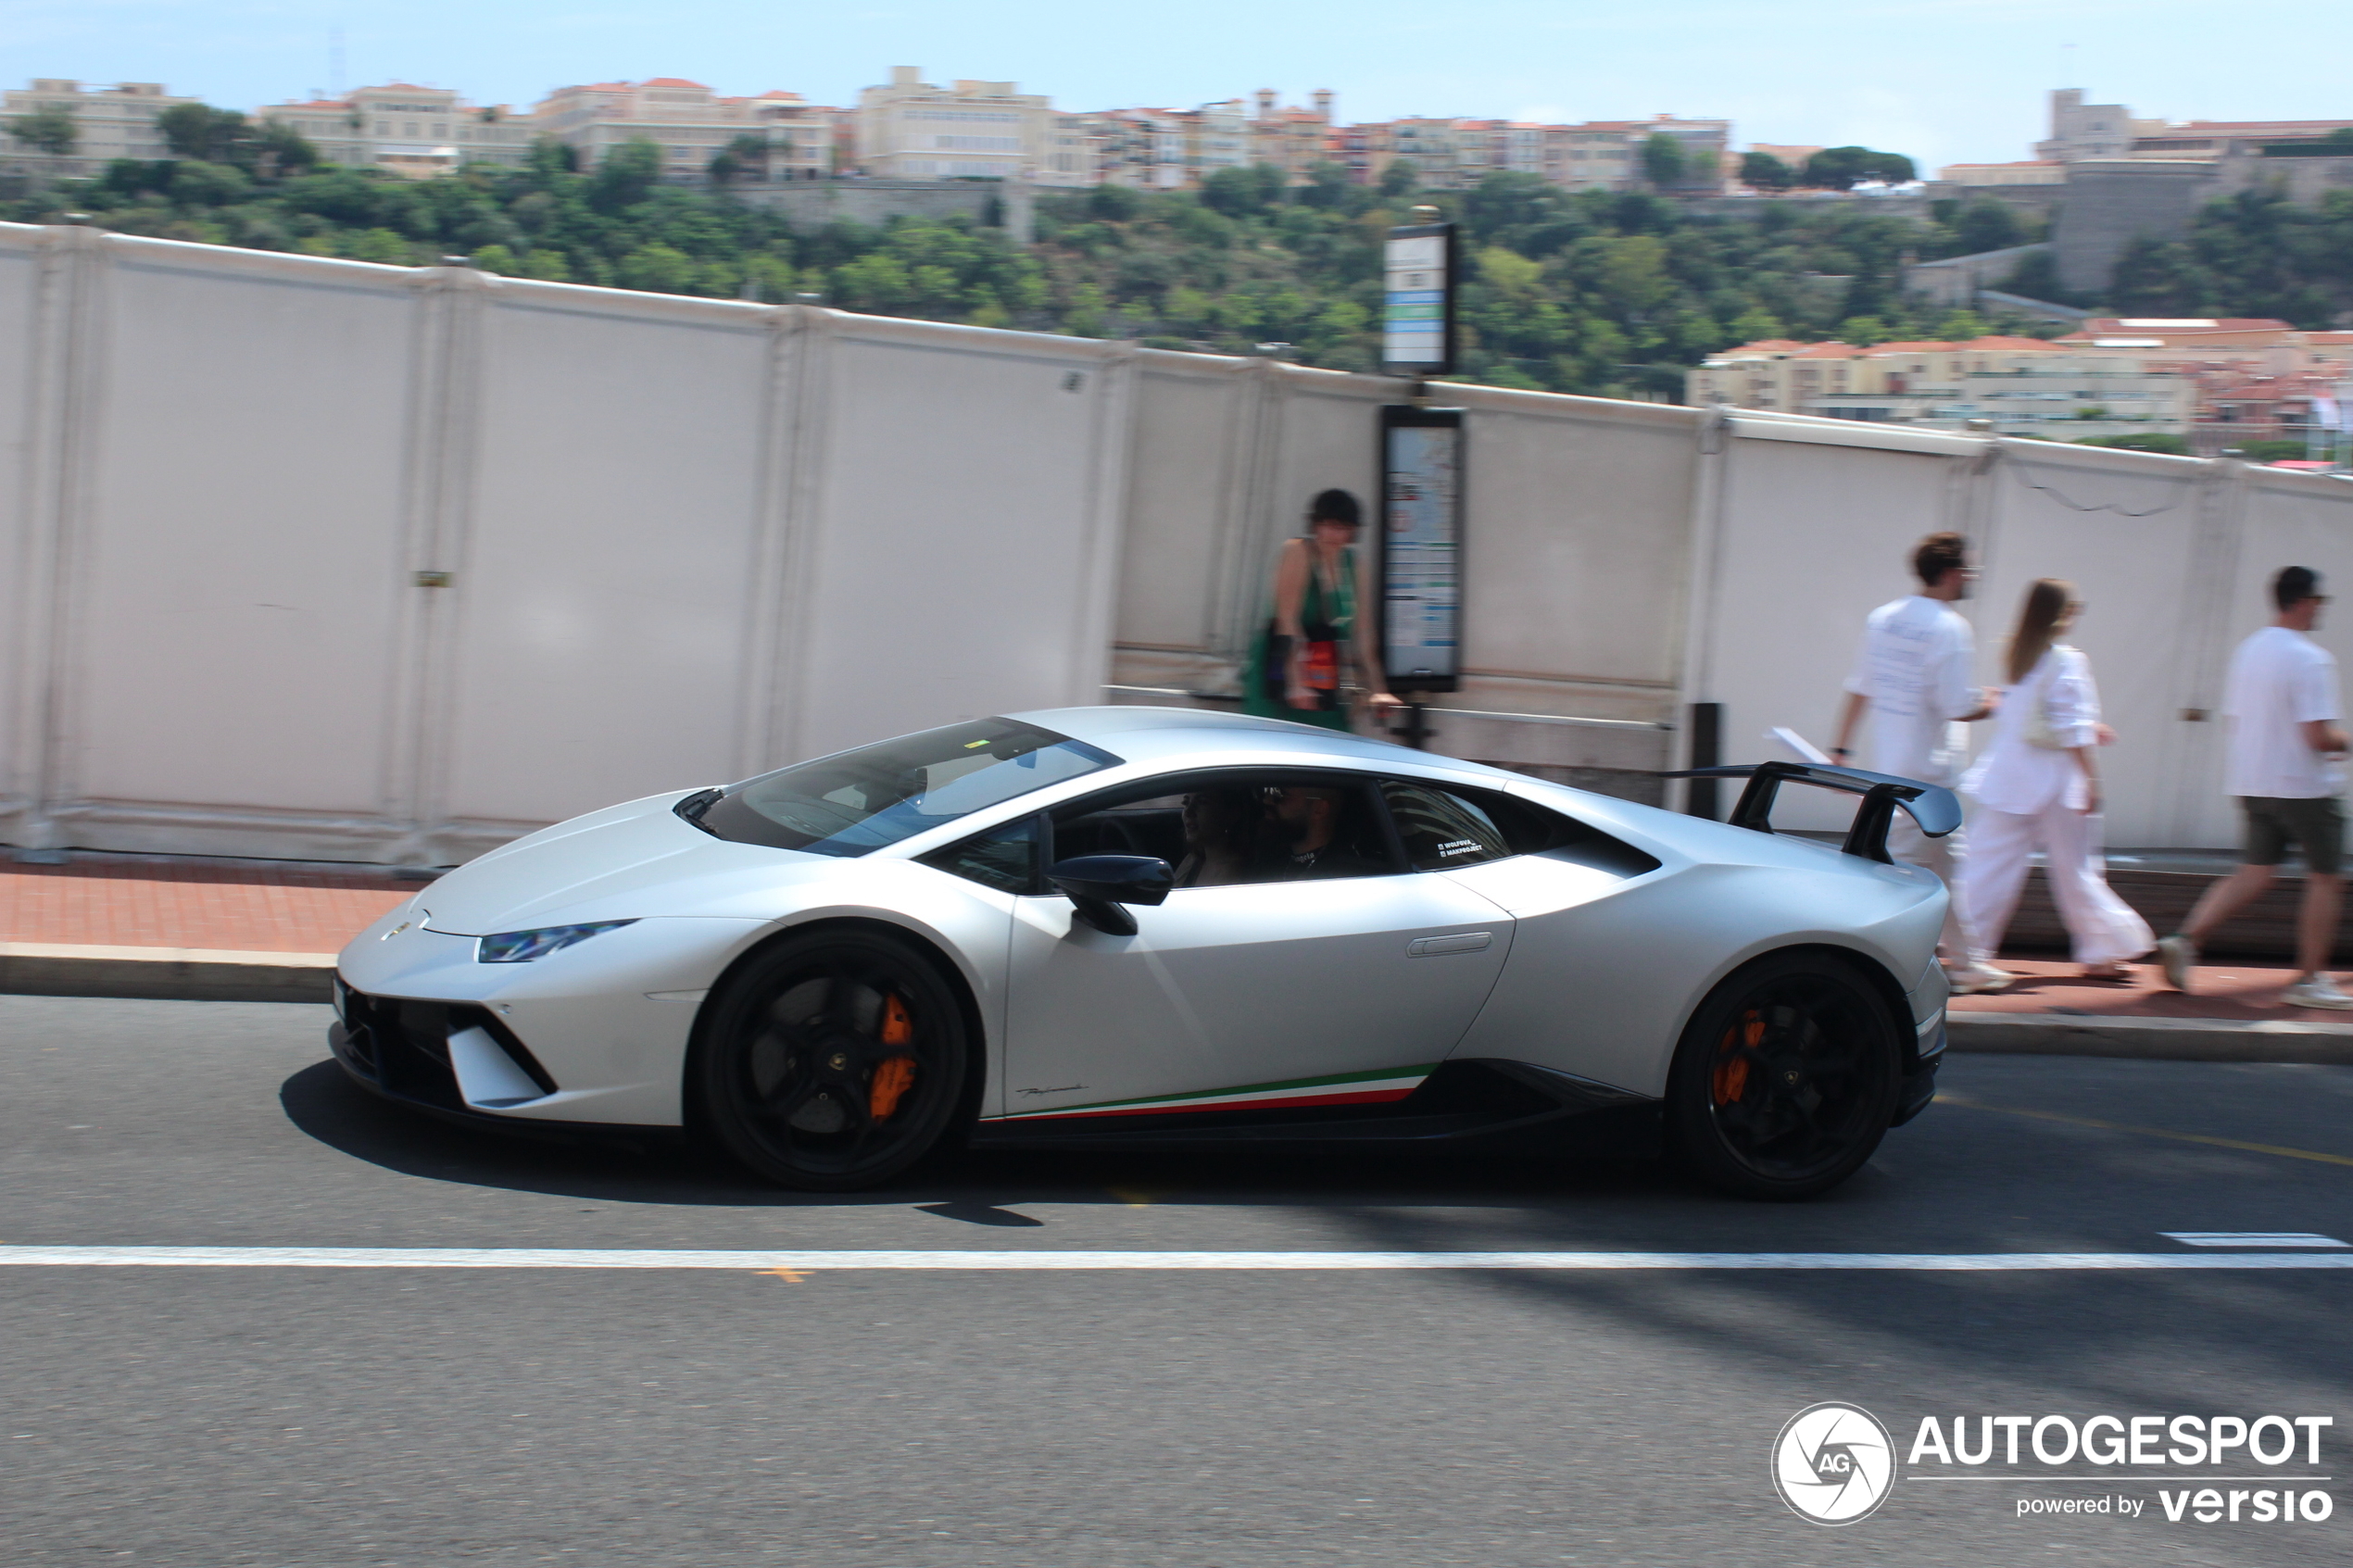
x=1941, y=80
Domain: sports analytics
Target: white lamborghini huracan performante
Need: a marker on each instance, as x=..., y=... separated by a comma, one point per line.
x=1118, y=926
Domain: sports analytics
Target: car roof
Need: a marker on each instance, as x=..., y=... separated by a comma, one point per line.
x=1145, y=735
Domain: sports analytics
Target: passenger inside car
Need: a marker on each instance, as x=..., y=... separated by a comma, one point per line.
x=1222, y=833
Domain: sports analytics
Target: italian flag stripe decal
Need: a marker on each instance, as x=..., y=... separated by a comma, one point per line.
x=1338, y=1088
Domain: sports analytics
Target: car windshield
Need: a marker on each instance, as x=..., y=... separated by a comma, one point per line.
x=861, y=800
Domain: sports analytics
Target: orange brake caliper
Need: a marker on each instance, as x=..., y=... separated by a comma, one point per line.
x=897, y=1074
x=1732, y=1075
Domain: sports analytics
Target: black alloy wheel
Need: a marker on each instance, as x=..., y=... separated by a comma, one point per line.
x=833, y=1062
x=1786, y=1079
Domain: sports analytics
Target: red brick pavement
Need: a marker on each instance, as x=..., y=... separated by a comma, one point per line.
x=137, y=901
x=152, y=902
x=2222, y=989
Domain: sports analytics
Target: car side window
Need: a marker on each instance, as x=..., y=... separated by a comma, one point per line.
x=1004, y=857
x=1230, y=827
x=1445, y=828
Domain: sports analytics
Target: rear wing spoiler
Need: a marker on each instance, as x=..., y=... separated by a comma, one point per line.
x=1933, y=808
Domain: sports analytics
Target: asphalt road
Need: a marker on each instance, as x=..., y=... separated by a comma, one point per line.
x=209, y=1416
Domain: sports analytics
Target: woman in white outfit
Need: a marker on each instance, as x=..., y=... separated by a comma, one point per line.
x=2039, y=786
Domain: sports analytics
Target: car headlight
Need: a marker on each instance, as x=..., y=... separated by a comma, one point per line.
x=521, y=947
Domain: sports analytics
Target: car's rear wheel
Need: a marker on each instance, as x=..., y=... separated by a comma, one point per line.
x=1786, y=1079
x=834, y=1062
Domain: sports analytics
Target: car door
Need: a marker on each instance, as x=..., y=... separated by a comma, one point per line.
x=1343, y=981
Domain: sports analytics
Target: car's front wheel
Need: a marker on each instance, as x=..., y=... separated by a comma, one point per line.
x=1786, y=1078
x=833, y=1062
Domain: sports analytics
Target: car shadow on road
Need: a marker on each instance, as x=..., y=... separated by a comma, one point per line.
x=974, y=1186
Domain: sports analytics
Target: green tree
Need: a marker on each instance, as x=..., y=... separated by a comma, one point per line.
x=626, y=177
x=1186, y=307
x=380, y=244
x=658, y=269
x=1863, y=331
x=225, y=136
x=1399, y=179
x=1961, y=326
x=1765, y=172
x=49, y=130
x=1757, y=324
x=2150, y=441
x=199, y=131
x=1243, y=193
x=1116, y=203
x=1843, y=169
x=1987, y=225
x=747, y=153
x=548, y=265
x=1663, y=161
x=1327, y=186
x=1510, y=274
x=2156, y=277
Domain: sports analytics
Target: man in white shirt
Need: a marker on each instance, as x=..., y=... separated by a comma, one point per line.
x=1912, y=676
x=2285, y=747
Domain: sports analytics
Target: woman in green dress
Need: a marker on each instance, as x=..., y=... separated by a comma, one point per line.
x=1299, y=663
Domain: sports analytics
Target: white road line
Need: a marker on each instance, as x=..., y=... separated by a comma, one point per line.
x=2251, y=1238
x=630, y=1258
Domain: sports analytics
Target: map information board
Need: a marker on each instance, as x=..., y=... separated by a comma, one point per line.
x=1421, y=548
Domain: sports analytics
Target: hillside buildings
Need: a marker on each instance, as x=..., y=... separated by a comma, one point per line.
x=910, y=129
x=776, y=135
x=108, y=123
x=2220, y=383
x=406, y=130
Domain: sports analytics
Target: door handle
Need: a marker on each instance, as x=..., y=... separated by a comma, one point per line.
x=1461, y=942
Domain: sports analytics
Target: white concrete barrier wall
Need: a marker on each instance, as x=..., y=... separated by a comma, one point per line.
x=320, y=560
x=685, y=540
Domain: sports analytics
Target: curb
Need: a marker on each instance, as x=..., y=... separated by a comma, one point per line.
x=2151, y=1039
x=175, y=975
x=200, y=974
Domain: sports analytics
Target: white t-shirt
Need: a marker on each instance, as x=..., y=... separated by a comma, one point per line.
x=2280, y=681
x=1914, y=666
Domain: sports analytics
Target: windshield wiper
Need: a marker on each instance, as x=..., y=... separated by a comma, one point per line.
x=693, y=808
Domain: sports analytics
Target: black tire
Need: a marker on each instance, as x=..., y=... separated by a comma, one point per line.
x=1786, y=1079
x=793, y=1073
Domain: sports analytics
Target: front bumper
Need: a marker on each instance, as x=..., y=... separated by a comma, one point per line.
x=595, y=1032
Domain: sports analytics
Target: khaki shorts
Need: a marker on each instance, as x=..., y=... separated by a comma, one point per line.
x=2316, y=823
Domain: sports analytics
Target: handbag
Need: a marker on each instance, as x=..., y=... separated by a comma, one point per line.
x=1319, y=660
x=2037, y=732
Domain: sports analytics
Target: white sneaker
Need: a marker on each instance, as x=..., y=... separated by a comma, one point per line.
x=1977, y=979
x=2178, y=956
x=2316, y=991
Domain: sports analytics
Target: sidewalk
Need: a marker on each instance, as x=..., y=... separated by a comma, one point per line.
x=143, y=925
x=133, y=925
x=2234, y=1013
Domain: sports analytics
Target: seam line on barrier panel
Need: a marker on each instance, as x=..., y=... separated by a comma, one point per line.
x=1147, y=1261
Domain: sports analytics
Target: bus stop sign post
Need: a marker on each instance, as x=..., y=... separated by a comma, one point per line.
x=1421, y=476
x=1418, y=316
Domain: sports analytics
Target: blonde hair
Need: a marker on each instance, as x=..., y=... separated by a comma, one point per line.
x=2046, y=605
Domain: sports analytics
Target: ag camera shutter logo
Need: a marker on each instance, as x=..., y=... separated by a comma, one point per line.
x=1833, y=1463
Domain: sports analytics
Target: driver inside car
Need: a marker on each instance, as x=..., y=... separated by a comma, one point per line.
x=1312, y=827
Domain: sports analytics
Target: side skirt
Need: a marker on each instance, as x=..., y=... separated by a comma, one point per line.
x=1513, y=1105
